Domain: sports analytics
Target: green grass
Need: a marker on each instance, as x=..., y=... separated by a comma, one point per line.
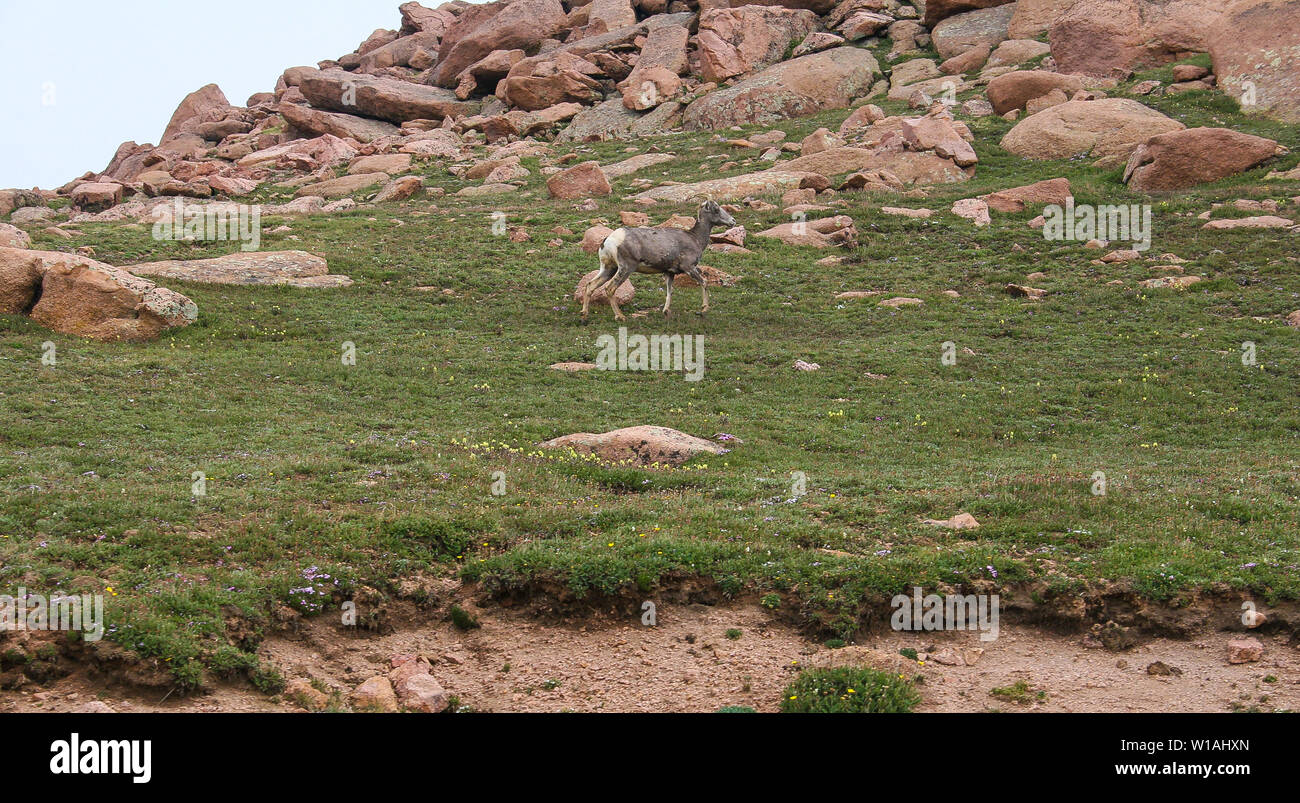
x=1020, y=693
x=849, y=690
x=324, y=480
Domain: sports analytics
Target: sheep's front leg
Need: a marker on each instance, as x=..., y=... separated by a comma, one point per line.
x=668, y=295
x=698, y=275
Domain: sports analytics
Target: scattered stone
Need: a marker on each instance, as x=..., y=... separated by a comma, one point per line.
x=1051, y=191
x=375, y=695
x=906, y=212
x=292, y=268
x=1255, y=222
x=1170, y=282
x=644, y=445
x=961, y=521
x=973, y=209
x=1021, y=291
x=901, y=301
x=1245, y=650
x=584, y=180
x=306, y=695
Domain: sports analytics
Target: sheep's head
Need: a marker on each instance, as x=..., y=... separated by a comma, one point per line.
x=715, y=215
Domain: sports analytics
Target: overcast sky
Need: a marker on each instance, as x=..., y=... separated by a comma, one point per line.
x=83, y=76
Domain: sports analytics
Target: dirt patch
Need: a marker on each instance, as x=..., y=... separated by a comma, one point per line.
x=690, y=662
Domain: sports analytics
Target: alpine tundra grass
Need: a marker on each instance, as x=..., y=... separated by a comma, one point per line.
x=324, y=479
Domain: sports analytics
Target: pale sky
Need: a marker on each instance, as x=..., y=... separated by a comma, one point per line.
x=83, y=76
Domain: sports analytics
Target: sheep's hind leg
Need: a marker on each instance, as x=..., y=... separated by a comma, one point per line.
x=668, y=295
x=606, y=271
x=613, y=285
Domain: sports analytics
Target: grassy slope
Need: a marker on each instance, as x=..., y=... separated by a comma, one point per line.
x=381, y=471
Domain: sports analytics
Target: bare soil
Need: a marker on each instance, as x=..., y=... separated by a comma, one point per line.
x=687, y=662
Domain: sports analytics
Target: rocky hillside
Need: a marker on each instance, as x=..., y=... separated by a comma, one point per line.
x=480, y=87
x=574, y=71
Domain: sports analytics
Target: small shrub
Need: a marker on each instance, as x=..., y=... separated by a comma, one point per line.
x=849, y=690
x=1019, y=693
x=734, y=633
x=735, y=709
x=770, y=601
x=463, y=619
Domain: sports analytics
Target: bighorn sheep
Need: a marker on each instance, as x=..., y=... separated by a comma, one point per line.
x=645, y=250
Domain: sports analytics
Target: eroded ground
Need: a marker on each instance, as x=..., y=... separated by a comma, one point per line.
x=687, y=662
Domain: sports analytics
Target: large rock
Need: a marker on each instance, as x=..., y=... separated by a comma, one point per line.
x=96, y=196
x=1015, y=199
x=407, y=51
x=1111, y=37
x=343, y=186
x=809, y=84
x=79, y=296
x=642, y=445
x=326, y=150
x=1256, y=52
x=1034, y=17
x=292, y=268
x=938, y=10
x=1181, y=159
x=484, y=74
x=1017, y=51
x=316, y=122
x=663, y=57
x=914, y=71
x=196, y=104
x=130, y=160
x=825, y=232
x=959, y=33
x=544, y=81
x=14, y=237
x=735, y=41
x=610, y=15
x=1106, y=130
x=1014, y=89
x=908, y=166
x=382, y=98
x=521, y=24
x=584, y=180
x=767, y=182
x=418, y=19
